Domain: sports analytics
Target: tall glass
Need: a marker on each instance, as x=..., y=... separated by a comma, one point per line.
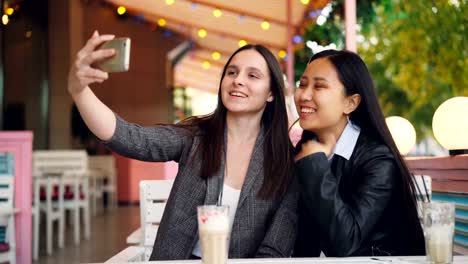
x=439, y=224
x=213, y=229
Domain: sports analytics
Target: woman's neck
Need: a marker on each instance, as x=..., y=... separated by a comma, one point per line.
x=242, y=129
x=336, y=130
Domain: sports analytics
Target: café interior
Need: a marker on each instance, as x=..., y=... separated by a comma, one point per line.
x=71, y=200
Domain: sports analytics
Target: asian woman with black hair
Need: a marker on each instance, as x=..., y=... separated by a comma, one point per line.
x=357, y=194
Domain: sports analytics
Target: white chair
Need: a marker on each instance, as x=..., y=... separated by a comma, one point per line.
x=153, y=196
x=64, y=168
x=53, y=210
x=7, y=219
x=103, y=174
x=36, y=219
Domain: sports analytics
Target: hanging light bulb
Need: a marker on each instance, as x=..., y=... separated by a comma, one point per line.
x=216, y=55
x=282, y=54
x=121, y=10
x=162, y=22
x=217, y=13
x=5, y=20
x=206, y=65
x=242, y=43
x=202, y=33
x=9, y=11
x=265, y=25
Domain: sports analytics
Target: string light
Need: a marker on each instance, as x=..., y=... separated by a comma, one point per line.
x=28, y=34
x=121, y=10
x=202, y=33
x=242, y=43
x=5, y=19
x=206, y=65
x=9, y=11
x=305, y=2
x=282, y=54
x=167, y=33
x=297, y=39
x=217, y=13
x=170, y=2
x=161, y=22
x=216, y=55
x=265, y=25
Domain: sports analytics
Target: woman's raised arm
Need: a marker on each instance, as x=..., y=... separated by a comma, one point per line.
x=99, y=118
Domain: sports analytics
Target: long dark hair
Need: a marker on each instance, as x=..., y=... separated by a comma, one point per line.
x=278, y=156
x=355, y=77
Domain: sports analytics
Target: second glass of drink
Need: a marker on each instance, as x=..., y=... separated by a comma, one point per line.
x=439, y=223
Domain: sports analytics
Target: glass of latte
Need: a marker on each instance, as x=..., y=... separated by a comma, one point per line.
x=213, y=228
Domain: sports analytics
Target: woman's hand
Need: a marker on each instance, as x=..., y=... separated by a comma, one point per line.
x=82, y=73
x=326, y=145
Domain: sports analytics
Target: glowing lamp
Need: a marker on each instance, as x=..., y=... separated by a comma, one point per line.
x=450, y=125
x=403, y=133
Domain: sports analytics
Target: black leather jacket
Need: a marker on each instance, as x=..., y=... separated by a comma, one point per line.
x=354, y=207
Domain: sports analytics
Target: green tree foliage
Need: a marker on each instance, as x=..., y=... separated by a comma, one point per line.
x=417, y=52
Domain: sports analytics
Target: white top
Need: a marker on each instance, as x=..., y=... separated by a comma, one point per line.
x=230, y=198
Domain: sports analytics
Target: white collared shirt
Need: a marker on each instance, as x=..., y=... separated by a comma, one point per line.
x=345, y=145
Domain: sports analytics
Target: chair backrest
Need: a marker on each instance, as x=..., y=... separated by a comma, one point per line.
x=7, y=190
x=64, y=162
x=153, y=196
x=104, y=163
x=7, y=163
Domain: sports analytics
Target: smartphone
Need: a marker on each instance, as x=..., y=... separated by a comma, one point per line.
x=120, y=62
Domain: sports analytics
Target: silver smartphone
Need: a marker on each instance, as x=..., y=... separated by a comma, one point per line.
x=120, y=62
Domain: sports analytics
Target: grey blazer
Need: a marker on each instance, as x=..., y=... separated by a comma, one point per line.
x=261, y=228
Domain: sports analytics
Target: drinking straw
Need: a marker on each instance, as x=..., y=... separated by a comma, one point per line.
x=426, y=190
x=419, y=193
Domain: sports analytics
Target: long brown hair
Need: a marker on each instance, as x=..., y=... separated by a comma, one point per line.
x=278, y=157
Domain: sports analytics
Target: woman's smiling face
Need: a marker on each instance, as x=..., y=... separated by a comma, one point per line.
x=320, y=98
x=245, y=88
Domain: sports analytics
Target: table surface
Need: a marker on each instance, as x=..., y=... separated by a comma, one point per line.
x=352, y=260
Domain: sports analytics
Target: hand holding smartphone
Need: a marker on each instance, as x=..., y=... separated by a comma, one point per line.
x=120, y=62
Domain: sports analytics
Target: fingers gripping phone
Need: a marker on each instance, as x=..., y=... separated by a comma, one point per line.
x=120, y=62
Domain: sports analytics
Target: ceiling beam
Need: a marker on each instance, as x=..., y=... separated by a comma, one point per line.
x=237, y=11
